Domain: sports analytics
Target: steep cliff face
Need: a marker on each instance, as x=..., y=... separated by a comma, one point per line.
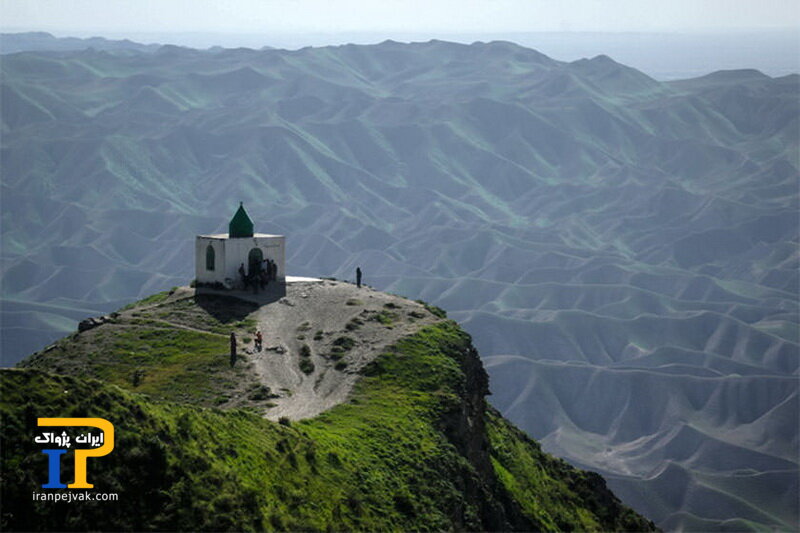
x=411, y=446
x=513, y=478
x=464, y=425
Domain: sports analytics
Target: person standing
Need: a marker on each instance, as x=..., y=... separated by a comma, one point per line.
x=243, y=276
x=358, y=277
x=269, y=269
x=255, y=277
x=259, y=340
x=233, y=348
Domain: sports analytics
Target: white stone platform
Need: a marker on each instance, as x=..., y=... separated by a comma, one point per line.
x=301, y=279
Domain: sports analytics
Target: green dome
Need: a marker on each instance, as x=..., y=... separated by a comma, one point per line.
x=240, y=225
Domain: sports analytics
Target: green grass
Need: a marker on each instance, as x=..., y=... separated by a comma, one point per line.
x=345, y=343
x=354, y=324
x=384, y=317
x=383, y=461
x=259, y=393
x=174, y=466
x=306, y=366
x=556, y=494
x=167, y=363
x=153, y=299
x=177, y=351
x=436, y=311
x=216, y=314
x=174, y=363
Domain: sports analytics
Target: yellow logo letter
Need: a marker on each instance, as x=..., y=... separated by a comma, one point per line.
x=81, y=455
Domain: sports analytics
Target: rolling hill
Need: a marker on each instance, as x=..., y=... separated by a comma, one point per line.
x=410, y=445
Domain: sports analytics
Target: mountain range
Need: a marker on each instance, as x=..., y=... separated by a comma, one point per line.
x=623, y=250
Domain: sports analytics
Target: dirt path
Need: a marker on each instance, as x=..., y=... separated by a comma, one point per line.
x=343, y=327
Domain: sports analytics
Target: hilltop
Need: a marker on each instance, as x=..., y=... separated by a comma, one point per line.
x=317, y=338
x=386, y=430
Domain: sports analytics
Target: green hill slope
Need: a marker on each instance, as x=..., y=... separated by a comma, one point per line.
x=415, y=447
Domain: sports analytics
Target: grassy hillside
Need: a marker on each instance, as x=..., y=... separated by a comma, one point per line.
x=171, y=348
x=415, y=448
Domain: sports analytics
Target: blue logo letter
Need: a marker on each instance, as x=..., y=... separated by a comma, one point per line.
x=54, y=478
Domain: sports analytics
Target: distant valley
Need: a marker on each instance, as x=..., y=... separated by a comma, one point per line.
x=623, y=251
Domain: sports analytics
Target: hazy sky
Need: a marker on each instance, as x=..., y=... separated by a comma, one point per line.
x=442, y=16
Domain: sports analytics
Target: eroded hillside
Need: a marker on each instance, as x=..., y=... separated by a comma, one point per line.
x=606, y=238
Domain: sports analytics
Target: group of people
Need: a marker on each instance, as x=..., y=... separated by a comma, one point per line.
x=258, y=345
x=260, y=276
